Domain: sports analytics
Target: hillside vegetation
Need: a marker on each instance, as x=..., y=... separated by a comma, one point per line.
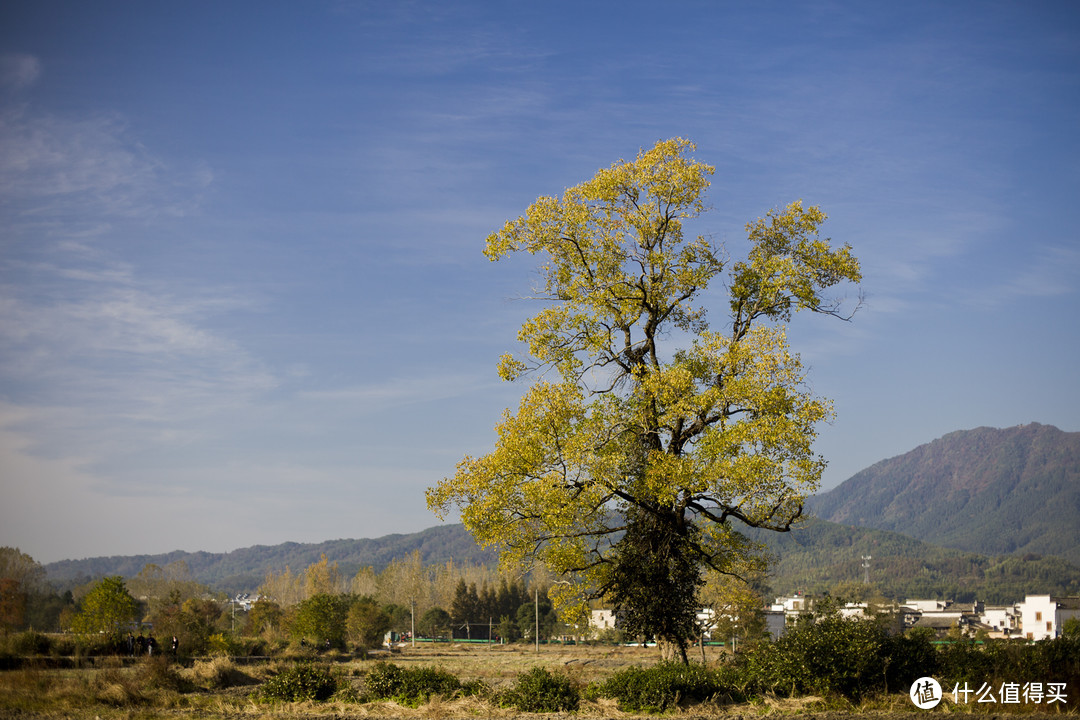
x=820, y=556
x=989, y=491
x=245, y=569
x=994, y=512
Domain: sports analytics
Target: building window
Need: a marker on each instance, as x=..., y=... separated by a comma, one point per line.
x=1038, y=617
x=1049, y=626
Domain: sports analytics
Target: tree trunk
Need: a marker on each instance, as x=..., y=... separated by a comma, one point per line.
x=673, y=651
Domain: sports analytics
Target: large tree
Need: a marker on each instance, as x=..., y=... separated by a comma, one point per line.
x=648, y=435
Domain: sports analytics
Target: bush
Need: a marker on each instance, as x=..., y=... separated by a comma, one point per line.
x=825, y=656
x=158, y=673
x=911, y=655
x=301, y=682
x=997, y=661
x=541, y=691
x=661, y=687
x=412, y=686
x=30, y=643
x=221, y=644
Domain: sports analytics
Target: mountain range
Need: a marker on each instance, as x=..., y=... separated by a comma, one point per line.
x=990, y=491
x=245, y=569
x=987, y=512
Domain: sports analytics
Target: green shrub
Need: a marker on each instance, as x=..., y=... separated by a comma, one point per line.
x=1059, y=659
x=410, y=686
x=911, y=655
x=997, y=661
x=829, y=655
x=222, y=644
x=541, y=691
x=661, y=687
x=964, y=661
x=298, y=683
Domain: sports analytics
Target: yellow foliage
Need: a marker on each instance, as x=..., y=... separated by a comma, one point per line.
x=717, y=430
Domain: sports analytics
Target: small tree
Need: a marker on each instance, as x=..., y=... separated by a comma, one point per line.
x=367, y=623
x=107, y=608
x=322, y=618
x=434, y=623
x=466, y=605
x=264, y=618
x=736, y=608
x=508, y=629
x=527, y=618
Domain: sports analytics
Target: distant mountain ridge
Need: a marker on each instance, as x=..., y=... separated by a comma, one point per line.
x=984, y=494
x=990, y=491
x=245, y=569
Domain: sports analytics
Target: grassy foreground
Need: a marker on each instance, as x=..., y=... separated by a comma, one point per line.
x=220, y=688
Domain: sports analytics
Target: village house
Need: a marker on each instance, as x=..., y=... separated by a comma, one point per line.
x=1037, y=617
x=1000, y=621
x=1042, y=616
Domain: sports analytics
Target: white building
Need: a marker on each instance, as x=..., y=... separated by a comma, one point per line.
x=245, y=601
x=601, y=620
x=1001, y=620
x=793, y=605
x=1041, y=616
x=928, y=606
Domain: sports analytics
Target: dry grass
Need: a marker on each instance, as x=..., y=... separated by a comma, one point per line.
x=498, y=665
x=220, y=689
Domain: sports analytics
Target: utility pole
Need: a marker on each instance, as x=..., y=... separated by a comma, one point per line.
x=866, y=569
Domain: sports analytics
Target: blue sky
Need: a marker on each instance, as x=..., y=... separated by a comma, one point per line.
x=242, y=295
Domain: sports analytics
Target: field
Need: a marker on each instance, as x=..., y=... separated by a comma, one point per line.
x=221, y=688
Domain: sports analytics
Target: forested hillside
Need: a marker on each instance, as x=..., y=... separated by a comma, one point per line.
x=1005, y=501
x=245, y=569
x=819, y=556
x=989, y=491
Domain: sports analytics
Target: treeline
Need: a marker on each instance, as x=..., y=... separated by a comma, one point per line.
x=443, y=601
x=318, y=606
x=243, y=569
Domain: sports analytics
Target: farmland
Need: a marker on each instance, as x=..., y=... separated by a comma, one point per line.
x=211, y=688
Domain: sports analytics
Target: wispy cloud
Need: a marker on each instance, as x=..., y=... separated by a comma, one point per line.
x=401, y=391
x=1051, y=271
x=19, y=71
x=54, y=168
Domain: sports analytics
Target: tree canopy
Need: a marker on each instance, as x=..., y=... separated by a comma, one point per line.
x=647, y=432
x=108, y=608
